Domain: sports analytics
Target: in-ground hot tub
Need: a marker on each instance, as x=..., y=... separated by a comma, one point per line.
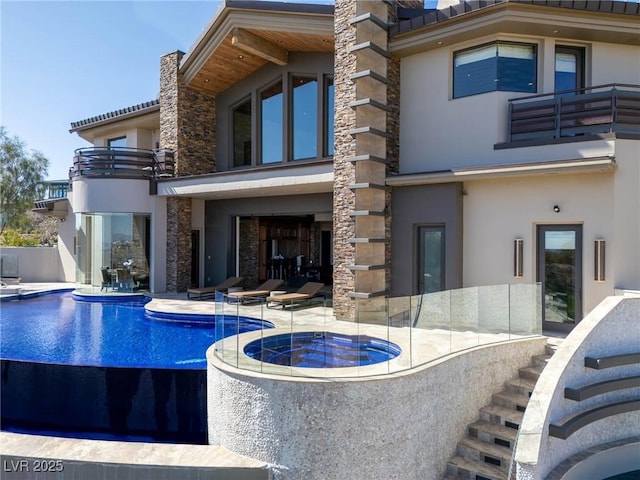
x=321, y=350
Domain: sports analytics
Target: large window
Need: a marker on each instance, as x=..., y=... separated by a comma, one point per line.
x=242, y=134
x=498, y=66
x=328, y=115
x=113, y=250
x=292, y=119
x=305, y=117
x=271, y=121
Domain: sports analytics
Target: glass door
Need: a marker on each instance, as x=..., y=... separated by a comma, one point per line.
x=430, y=259
x=560, y=273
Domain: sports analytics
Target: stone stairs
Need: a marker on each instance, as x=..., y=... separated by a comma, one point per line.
x=485, y=453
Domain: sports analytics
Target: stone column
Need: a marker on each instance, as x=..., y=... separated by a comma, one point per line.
x=249, y=250
x=367, y=82
x=187, y=126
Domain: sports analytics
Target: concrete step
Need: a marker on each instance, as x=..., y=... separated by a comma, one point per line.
x=460, y=467
x=493, y=433
x=510, y=400
x=489, y=453
x=520, y=386
x=501, y=416
x=530, y=373
x=540, y=360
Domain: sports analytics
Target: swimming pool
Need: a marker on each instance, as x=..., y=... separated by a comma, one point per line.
x=321, y=350
x=107, y=370
x=56, y=328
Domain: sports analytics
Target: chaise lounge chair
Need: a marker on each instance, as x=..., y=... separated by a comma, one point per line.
x=304, y=294
x=200, y=293
x=262, y=291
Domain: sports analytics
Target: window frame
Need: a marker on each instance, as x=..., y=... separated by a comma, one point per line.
x=115, y=139
x=232, y=108
x=286, y=79
x=535, y=46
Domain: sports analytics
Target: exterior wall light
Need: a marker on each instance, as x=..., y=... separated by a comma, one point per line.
x=599, y=259
x=556, y=208
x=518, y=263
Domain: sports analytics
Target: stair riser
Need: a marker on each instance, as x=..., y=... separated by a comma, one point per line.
x=466, y=474
x=529, y=374
x=518, y=390
x=481, y=456
x=491, y=438
x=506, y=403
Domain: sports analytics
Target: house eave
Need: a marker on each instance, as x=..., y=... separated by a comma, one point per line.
x=519, y=19
x=313, y=177
x=601, y=164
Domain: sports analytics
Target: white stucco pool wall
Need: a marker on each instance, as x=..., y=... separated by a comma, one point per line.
x=399, y=426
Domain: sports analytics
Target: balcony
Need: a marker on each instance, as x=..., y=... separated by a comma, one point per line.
x=582, y=113
x=122, y=162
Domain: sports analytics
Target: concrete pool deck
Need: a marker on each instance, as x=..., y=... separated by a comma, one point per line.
x=107, y=459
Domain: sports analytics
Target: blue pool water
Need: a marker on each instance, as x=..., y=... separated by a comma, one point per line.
x=56, y=328
x=107, y=369
x=321, y=350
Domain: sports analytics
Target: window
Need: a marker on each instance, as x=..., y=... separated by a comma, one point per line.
x=272, y=124
x=289, y=120
x=569, y=74
x=498, y=66
x=431, y=259
x=328, y=115
x=242, y=134
x=119, y=142
x=304, y=117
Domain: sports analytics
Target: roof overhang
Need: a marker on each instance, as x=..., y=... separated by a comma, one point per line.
x=142, y=113
x=245, y=35
x=316, y=177
x=55, y=207
x=520, y=19
x=557, y=167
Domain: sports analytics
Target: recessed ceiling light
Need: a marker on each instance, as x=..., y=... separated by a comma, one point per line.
x=555, y=31
x=439, y=43
x=240, y=57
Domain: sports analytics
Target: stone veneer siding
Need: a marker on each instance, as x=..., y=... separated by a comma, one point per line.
x=344, y=171
x=249, y=251
x=187, y=126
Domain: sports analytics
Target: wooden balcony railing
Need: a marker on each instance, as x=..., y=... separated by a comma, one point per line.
x=122, y=162
x=613, y=108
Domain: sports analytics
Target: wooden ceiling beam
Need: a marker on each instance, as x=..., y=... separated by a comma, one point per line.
x=256, y=45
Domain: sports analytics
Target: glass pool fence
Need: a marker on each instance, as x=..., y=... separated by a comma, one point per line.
x=383, y=335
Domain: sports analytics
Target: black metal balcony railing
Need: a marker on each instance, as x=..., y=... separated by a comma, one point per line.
x=122, y=162
x=613, y=108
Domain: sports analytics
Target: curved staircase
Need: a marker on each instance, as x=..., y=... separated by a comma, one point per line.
x=485, y=453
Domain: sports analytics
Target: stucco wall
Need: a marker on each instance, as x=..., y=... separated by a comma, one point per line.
x=498, y=211
x=438, y=204
x=404, y=426
x=610, y=329
x=118, y=195
x=37, y=264
x=465, y=129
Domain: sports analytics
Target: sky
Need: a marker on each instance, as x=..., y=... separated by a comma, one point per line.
x=64, y=61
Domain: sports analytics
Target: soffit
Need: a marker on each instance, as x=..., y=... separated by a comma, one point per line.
x=520, y=19
x=600, y=164
x=215, y=63
x=281, y=180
